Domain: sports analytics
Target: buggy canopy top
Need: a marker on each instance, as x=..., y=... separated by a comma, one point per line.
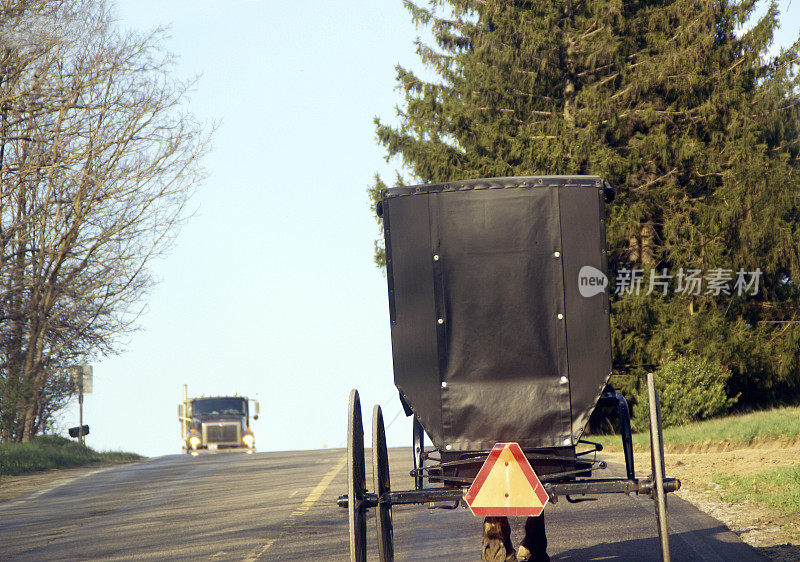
x=498, y=298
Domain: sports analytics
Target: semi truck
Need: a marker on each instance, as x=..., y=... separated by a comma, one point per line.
x=216, y=423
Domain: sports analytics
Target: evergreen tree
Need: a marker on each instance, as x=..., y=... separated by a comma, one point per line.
x=696, y=126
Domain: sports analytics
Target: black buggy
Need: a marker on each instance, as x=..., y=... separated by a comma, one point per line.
x=499, y=307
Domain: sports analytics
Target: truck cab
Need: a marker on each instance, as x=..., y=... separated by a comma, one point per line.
x=215, y=423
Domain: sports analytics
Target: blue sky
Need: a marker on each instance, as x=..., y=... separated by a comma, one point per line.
x=270, y=289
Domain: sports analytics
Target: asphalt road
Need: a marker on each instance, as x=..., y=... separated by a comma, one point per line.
x=281, y=506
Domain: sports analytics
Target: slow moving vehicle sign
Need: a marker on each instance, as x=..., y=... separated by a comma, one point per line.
x=506, y=485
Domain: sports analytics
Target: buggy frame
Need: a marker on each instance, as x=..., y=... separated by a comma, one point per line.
x=467, y=258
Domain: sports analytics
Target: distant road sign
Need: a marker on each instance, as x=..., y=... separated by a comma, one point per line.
x=506, y=485
x=84, y=372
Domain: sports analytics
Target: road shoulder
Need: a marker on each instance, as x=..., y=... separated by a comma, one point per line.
x=17, y=487
x=771, y=534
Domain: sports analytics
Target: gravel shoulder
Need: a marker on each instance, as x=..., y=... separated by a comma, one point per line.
x=775, y=535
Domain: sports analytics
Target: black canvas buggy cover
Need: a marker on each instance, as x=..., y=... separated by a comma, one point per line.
x=499, y=307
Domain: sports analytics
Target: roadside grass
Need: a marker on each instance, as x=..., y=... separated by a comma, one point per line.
x=741, y=430
x=712, y=467
x=51, y=451
x=778, y=488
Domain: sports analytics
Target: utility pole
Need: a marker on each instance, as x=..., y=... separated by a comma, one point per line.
x=82, y=381
x=80, y=409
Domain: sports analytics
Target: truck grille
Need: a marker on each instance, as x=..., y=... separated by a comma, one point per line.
x=222, y=433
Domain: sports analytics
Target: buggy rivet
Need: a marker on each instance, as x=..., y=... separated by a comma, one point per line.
x=448, y=447
x=441, y=320
x=444, y=384
x=435, y=257
x=560, y=316
x=557, y=254
x=563, y=380
x=567, y=441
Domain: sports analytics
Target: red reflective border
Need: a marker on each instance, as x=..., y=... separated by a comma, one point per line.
x=527, y=470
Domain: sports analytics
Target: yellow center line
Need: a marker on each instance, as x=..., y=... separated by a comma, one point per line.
x=258, y=551
x=310, y=500
x=317, y=492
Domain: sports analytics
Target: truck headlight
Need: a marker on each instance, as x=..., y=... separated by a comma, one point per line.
x=249, y=439
x=194, y=441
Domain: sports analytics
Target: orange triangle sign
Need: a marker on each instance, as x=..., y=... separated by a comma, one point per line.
x=506, y=485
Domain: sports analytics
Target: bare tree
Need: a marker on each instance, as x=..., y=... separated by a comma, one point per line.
x=97, y=161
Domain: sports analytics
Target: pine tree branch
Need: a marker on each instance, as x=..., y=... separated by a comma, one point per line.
x=734, y=65
x=622, y=92
x=591, y=32
x=656, y=180
x=589, y=71
x=605, y=80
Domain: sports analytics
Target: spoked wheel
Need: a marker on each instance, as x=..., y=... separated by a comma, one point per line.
x=657, y=464
x=419, y=446
x=380, y=472
x=356, y=489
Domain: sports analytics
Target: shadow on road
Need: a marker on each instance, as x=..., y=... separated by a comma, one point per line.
x=781, y=552
x=712, y=543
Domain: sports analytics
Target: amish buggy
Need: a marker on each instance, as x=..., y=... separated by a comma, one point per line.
x=499, y=310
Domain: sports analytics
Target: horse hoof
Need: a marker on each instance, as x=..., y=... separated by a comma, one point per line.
x=525, y=555
x=495, y=551
x=496, y=541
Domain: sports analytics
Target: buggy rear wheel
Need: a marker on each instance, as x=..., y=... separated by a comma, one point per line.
x=380, y=473
x=356, y=489
x=657, y=467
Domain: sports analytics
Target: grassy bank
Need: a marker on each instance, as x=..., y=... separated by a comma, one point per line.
x=51, y=451
x=778, y=488
x=743, y=430
x=746, y=465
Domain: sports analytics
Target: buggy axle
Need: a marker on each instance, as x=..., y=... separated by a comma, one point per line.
x=554, y=490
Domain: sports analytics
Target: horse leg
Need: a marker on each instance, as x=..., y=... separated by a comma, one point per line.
x=497, y=540
x=534, y=546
